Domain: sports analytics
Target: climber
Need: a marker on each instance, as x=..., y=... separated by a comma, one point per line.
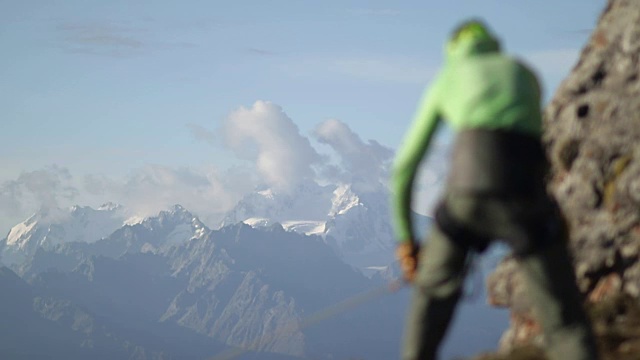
x=495, y=190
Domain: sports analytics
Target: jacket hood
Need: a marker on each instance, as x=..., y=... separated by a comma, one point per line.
x=471, y=46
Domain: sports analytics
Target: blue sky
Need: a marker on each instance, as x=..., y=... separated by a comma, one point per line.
x=100, y=98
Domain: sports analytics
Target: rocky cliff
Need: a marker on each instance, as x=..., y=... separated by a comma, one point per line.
x=592, y=138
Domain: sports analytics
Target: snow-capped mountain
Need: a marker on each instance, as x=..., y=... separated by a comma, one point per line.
x=152, y=235
x=171, y=272
x=308, y=204
x=52, y=226
x=356, y=223
x=174, y=226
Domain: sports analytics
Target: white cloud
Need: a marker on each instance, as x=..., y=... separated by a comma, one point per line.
x=265, y=135
x=365, y=164
x=206, y=192
x=40, y=188
x=45, y=188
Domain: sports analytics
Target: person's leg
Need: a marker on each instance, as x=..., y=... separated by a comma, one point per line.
x=436, y=292
x=534, y=229
x=558, y=304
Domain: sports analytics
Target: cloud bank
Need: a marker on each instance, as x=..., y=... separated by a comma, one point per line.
x=41, y=188
x=364, y=164
x=206, y=192
x=47, y=188
x=275, y=154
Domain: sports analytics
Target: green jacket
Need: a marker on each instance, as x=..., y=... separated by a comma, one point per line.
x=478, y=88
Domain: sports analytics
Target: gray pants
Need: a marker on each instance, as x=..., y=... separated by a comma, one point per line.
x=549, y=276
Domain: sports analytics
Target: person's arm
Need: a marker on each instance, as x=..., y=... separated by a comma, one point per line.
x=408, y=159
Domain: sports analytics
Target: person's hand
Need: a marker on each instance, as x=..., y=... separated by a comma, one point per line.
x=407, y=254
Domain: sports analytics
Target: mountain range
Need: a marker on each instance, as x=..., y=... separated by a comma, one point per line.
x=355, y=224
x=170, y=276
x=95, y=282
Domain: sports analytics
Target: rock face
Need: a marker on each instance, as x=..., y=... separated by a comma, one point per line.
x=592, y=137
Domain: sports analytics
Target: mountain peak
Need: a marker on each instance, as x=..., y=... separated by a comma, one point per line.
x=110, y=206
x=179, y=224
x=177, y=208
x=178, y=213
x=343, y=199
x=268, y=193
x=353, y=219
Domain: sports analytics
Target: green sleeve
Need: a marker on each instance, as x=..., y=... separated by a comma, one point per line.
x=408, y=159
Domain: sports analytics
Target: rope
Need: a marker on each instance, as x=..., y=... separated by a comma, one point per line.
x=315, y=318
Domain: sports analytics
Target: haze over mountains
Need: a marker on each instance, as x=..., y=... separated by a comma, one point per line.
x=355, y=224
x=97, y=282
x=170, y=274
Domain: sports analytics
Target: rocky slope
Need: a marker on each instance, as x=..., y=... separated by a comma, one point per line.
x=37, y=324
x=592, y=137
